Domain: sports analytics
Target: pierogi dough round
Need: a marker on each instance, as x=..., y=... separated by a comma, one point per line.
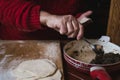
x=56, y=76
x=34, y=69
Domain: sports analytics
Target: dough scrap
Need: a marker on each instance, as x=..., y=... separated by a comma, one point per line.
x=33, y=69
x=56, y=76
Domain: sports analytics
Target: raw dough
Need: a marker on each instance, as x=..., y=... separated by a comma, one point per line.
x=56, y=76
x=34, y=69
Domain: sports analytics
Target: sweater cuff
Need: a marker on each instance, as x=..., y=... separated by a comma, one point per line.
x=34, y=19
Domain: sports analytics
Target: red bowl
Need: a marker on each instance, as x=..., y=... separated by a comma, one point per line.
x=85, y=67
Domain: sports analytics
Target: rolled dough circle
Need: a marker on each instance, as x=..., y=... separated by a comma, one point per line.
x=34, y=68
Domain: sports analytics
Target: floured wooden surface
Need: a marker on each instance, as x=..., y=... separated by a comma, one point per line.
x=12, y=53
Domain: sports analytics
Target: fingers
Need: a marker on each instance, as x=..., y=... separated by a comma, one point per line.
x=63, y=28
x=75, y=29
x=80, y=33
x=70, y=27
x=87, y=13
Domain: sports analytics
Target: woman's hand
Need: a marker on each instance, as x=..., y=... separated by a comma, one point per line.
x=65, y=24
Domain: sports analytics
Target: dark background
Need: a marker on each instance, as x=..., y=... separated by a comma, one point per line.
x=100, y=17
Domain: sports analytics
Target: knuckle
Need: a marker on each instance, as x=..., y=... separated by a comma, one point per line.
x=63, y=32
x=71, y=31
x=70, y=17
x=71, y=36
x=67, y=18
x=76, y=28
x=63, y=18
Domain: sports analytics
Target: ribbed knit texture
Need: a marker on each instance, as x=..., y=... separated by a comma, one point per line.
x=20, y=19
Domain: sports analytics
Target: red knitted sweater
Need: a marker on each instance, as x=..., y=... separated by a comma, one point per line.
x=19, y=19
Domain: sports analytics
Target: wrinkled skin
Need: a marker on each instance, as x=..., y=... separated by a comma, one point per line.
x=65, y=24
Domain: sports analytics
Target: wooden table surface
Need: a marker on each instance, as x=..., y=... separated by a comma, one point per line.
x=12, y=53
x=70, y=72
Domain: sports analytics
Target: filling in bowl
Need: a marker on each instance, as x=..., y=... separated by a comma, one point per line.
x=106, y=58
x=80, y=50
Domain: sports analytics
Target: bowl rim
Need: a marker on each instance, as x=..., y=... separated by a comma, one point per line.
x=89, y=64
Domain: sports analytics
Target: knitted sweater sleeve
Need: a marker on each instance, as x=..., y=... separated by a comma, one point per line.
x=20, y=14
